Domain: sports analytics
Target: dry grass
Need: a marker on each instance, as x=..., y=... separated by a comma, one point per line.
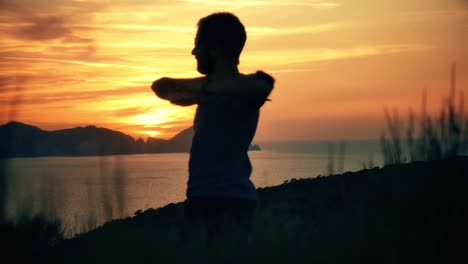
x=428, y=138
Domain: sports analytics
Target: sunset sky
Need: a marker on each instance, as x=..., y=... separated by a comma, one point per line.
x=66, y=63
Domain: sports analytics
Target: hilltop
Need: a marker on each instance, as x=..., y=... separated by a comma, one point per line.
x=408, y=213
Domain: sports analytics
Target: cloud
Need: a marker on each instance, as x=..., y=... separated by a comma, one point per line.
x=438, y=14
x=76, y=39
x=12, y=83
x=42, y=28
x=320, y=5
x=324, y=54
x=33, y=96
x=77, y=62
x=6, y=84
x=65, y=7
x=41, y=24
x=270, y=31
x=48, y=28
x=140, y=27
x=131, y=111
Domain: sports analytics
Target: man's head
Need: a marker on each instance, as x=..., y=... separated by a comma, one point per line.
x=220, y=36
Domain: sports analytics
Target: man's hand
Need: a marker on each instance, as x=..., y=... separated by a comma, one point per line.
x=174, y=91
x=164, y=87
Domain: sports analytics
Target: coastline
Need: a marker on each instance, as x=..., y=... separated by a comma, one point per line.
x=406, y=212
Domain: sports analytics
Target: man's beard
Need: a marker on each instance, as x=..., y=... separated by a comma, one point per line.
x=205, y=66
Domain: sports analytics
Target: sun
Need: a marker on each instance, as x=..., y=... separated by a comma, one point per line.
x=152, y=133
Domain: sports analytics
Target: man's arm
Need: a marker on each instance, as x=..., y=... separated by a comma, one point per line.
x=178, y=91
x=252, y=86
x=188, y=91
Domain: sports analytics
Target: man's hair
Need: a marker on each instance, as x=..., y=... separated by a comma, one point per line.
x=225, y=31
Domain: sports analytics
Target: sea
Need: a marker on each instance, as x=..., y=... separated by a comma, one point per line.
x=82, y=193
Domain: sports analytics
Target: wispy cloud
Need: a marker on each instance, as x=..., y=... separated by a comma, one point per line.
x=438, y=14
x=255, y=31
x=85, y=63
x=289, y=56
x=42, y=28
x=283, y=31
x=245, y=3
x=140, y=27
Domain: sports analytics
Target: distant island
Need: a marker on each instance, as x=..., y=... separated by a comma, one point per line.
x=22, y=140
x=254, y=147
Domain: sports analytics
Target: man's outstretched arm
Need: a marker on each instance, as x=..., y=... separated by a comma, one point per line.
x=188, y=91
x=253, y=86
x=178, y=91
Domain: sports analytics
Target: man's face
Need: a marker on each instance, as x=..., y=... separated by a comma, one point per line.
x=205, y=57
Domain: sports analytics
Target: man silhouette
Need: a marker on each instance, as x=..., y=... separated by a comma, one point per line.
x=219, y=189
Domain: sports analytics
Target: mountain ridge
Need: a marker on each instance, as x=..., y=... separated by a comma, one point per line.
x=23, y=140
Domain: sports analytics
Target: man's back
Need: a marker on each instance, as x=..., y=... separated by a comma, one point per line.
x=219, y=165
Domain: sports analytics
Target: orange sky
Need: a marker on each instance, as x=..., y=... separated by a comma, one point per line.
x=337, y=63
